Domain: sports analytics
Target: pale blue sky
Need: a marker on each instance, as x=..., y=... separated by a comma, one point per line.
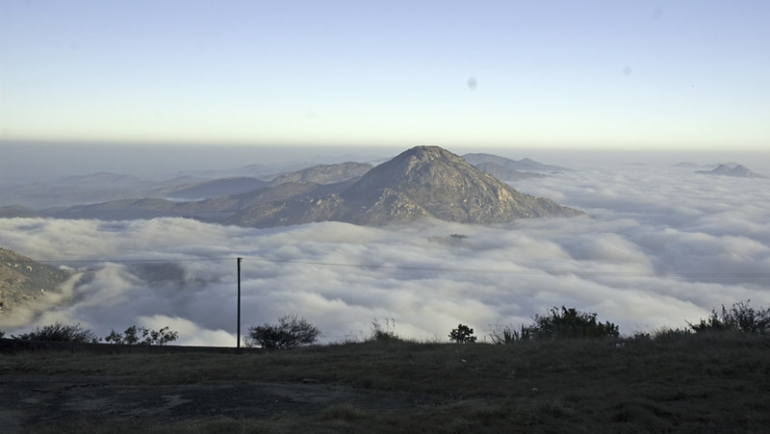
x=686, y=74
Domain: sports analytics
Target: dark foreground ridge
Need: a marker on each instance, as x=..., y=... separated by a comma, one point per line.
x=683, y=383
x=16, y=346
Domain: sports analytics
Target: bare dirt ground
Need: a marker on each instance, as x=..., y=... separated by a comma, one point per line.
x=27, y=400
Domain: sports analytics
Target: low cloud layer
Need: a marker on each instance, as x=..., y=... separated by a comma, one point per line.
x=659, y=246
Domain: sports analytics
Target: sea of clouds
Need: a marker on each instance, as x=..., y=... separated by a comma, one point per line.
x=658, y=246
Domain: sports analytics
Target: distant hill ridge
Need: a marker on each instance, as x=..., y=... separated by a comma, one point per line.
x=105, y=180
x=103, y=186
x=523, y=165
x=506, y=174
x=422, y=182
x=425, y=181
x=320, y=174
x=324, y=173
x=737, y=170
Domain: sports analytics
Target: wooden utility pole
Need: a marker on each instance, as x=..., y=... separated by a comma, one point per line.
x=238, y=345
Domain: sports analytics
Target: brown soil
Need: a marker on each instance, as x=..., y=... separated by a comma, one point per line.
x=27, y=400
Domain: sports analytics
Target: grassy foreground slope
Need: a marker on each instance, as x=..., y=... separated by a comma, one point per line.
x=689, y=383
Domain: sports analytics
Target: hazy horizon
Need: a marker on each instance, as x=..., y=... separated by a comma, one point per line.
x=25, y=162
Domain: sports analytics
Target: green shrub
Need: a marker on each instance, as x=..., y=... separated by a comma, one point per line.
x=290, y=332
x=462, y=335
x=568, y=323
x=2, y=334
x=739, y=318
x=148, y=337
x=58, y=332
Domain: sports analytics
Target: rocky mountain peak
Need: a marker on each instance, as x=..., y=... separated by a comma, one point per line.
x=431, y=181
x=422, y=166
x=420, y=155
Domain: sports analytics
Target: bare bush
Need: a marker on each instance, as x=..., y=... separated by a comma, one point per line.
x=58, y=332
x=290, y=332
x=384, y=333
x=148, y=337
x=505, y=335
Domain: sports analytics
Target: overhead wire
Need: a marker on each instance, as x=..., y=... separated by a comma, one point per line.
x=400, y=267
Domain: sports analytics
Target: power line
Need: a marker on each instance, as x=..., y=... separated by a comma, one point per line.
x=499, y=271
x=406, y=267
x=114, y=261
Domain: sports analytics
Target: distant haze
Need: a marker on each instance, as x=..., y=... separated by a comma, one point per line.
x=23, y=162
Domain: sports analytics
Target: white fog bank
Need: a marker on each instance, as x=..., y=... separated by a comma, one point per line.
x=659, y=246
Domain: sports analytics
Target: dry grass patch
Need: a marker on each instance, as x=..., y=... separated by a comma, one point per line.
x=684, y=384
